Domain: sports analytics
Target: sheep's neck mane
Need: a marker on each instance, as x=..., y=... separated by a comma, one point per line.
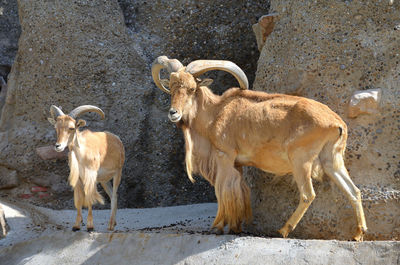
x=203, y=111
x=200, y=154
x=75, y=142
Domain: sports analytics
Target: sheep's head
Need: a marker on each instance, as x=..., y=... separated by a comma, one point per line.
x=183, y=81
x=66, y=125
x=183, y=87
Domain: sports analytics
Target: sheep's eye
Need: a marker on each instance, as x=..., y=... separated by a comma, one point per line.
x=71, y=128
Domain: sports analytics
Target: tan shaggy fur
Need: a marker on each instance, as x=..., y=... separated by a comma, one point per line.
x=277, y=133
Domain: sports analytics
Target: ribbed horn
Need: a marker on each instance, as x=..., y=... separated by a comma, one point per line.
x=86, y=108
x=172, y=65
x=55, y=111
x=199, y=67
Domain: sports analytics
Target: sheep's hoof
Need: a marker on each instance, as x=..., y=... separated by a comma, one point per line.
x=111, y=226
x=75, y=228
x=360, y=234
x=90, y=229
x=217, y=231
x=233, y=232
x=285, y=230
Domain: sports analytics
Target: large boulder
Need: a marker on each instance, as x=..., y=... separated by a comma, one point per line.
x=100, y=53
x=328, y=50
x=80, y=53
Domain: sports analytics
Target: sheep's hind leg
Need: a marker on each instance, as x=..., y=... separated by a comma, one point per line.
x=90, y=226
x=343, y=181
x=114, y=199
x=108, y=188
x=332, y=162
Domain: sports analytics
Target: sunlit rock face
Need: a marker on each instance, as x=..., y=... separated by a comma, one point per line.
x=327, y=51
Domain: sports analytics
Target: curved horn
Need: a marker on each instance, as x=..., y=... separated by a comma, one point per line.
x=86, y=108
x=199, y=67
x=172, y=65
x=55, y=111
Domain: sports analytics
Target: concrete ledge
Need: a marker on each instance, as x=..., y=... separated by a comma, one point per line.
x=168, y=235
x=166, y=248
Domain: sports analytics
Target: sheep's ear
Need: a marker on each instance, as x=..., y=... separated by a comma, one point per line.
x=205, y=82
x=164, y=82
x=51, y=120
x=80, y=123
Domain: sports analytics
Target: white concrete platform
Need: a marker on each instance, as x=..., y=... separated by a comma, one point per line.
x=170, y=235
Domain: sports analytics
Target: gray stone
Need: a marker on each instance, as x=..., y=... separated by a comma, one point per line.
x=8, y=178
x=48, y=153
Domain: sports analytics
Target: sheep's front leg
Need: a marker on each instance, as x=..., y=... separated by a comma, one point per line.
x=78, y=201
x=233, y=196
x=3, y=223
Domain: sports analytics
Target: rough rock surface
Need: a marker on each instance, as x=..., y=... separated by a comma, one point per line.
x=100, y=52
x=8, y=178
x=327, y=50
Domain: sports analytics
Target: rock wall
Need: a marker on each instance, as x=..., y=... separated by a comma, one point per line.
x=327, y=51
x=100, y=52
